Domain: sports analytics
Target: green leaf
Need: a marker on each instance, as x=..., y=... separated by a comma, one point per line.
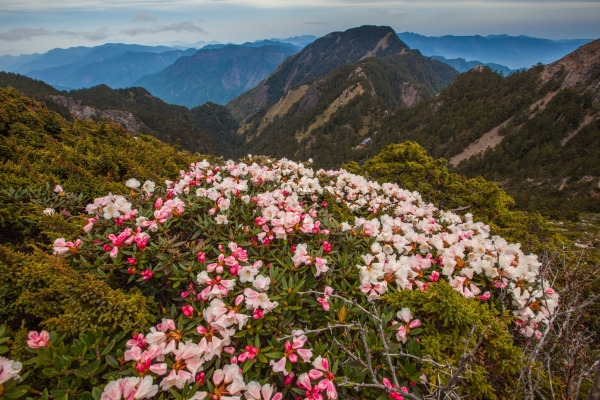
x=240, y=334
x=97, y=393
x=274, y=354
x=16, y=393
x=262, y=358
x=247, y=365
x=112, y=361
x=108, y=348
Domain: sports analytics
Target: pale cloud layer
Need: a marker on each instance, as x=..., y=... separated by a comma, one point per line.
x=18, y=34
x=38, y=25
x=183, y=26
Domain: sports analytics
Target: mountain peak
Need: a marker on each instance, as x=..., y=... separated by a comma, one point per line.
x=317, y=60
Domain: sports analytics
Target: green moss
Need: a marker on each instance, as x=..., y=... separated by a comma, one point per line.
x=43, y=289
x=448, y=319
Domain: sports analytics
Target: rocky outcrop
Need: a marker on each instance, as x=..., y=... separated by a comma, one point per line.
x=81, y=111
x=579, y=67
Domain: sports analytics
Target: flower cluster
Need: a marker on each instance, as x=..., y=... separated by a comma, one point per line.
x=251, y=252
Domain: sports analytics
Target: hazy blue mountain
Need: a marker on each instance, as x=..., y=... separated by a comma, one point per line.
x=300, y=41
x=84, y=55
x=214, y=75
x=461, y=65
x=118, y=72
x=11, y=63
x=213, y=46
x=261, y=43
x=512, y=51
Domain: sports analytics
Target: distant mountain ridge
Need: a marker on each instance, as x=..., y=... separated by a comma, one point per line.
x=118, y=72
x=462, y=65
x=512, y=51
x=83, y=55
x=215, y=75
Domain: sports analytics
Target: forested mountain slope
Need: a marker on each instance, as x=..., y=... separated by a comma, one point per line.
x=535, y=132
x=199, y=129
x=327, y=118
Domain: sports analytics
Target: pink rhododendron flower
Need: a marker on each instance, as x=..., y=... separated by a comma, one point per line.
x=143, y=360
x=62, y=247
x=36, y=340
x=312, y=392
x=188, y=311
x=129, y=389
x=147, y=274
x=324, y=300
x=292, y=351
x=254, y=391
x=409, y=323
x=321, y=370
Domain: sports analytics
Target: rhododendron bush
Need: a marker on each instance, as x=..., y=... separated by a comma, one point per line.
x=263, y=293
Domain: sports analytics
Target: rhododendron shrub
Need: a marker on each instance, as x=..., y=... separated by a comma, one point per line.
x=264, y=294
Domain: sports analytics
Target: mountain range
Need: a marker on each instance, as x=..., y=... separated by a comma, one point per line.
x=462, y=65
x=190, y=83
x=515, y=52
x=321, y=102
x=347, y=95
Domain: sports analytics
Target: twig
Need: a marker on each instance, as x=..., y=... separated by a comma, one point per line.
x=387, y=350
x=328, y=328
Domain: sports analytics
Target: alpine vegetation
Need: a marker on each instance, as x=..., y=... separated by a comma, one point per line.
x=272, y=281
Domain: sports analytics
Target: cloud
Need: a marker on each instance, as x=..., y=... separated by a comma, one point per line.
x=143, y=17
x=386, y=12
x=182, y=26
x=316, y=23
x=18, y=34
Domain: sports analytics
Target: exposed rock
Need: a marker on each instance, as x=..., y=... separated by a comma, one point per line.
x=311, y=97
x=78, y=110
x=347, y=95
x=579, y=67
x=382, y=44
x=410, y=95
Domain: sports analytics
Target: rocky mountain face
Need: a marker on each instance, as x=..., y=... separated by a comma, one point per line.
x=317, y=60
x=78, y=110
x=215, y=75
x=550, y=149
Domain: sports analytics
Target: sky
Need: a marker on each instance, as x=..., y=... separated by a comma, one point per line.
x=28, y=26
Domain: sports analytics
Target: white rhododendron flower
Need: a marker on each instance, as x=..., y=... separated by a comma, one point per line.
x=132, y=183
